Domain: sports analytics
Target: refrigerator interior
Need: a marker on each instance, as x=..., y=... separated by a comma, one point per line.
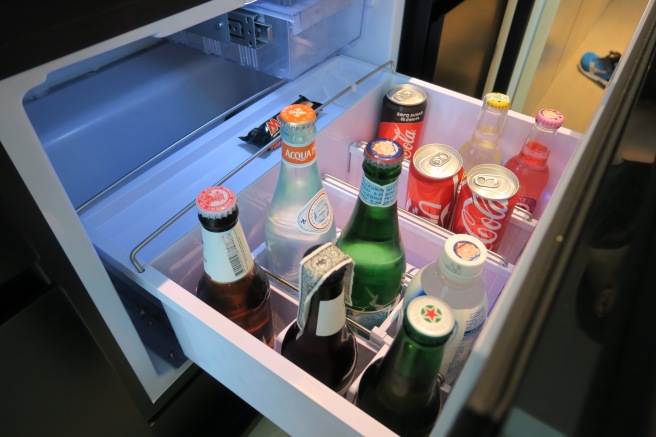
x=132, y=154
x=121, y=217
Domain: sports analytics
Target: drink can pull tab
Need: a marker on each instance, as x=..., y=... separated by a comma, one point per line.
x=487, y=181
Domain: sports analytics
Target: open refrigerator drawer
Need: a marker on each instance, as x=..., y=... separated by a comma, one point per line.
x=121, y=218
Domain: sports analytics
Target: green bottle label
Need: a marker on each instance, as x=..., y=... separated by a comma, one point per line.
x=378, y=195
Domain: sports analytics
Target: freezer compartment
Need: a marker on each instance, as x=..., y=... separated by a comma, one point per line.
x=125, y=111
x=281, y=39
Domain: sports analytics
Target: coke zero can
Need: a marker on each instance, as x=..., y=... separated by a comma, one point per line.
x=402, y=116
x=485, y=203
x=435, y=174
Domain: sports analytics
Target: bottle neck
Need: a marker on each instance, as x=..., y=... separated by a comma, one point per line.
x=410, y=367
x=537, y=147
x=489, y=126
x=226, y=255
x=379, y=186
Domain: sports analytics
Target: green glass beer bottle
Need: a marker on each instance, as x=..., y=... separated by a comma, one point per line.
x=401, y=390
x=372, y=238
x=320, y=342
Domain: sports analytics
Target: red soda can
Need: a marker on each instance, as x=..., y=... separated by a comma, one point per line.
x=402, y=116
x=485, y=204
x=435, y=174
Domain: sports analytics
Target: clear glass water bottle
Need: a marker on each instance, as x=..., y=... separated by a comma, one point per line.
x=372, y=237
x=300, y=215
x=402, y=390
x=483, y=146
x=456, y=278
x=530, y=165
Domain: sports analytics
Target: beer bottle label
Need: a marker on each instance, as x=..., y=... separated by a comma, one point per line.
x=332, y=316
x=299, y=156
x=370, y=318
x=226, y=256
x=314, y=269
x=316, y=217
x=373, y=194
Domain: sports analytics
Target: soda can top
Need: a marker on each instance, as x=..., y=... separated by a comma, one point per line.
x=383, y=153
x=497, y=100
x=428, y=320
x=406, y=94
x=550, y=118
x=216, y=202
x=462, y=258
x=492, y=182
x=437, y=161
x=297, y=124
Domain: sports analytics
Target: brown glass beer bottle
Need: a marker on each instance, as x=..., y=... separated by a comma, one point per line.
x=232, y=283
x=320, y=342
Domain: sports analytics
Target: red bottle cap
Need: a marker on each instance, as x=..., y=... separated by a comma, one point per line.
x=216, y=202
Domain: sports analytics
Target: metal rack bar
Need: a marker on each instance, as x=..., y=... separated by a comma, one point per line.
x=158, y=231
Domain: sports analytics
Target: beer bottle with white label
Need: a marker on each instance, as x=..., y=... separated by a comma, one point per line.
x=300, y=215
x=232, y=283
x=456, y=278
x=320, y=342
x=402, y=390
x=372, y=237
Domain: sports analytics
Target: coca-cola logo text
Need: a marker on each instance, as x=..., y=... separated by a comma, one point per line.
x=493, y=212
x=406, y=138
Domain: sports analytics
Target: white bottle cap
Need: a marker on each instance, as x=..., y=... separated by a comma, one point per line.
x=463, y=258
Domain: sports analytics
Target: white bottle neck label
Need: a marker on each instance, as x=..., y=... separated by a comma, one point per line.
x=378, y=195
x=226, y=255
x=332, y=316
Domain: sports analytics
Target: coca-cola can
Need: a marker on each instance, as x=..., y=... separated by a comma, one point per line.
x=435, y=174
x=402, y=116
x=485, y=203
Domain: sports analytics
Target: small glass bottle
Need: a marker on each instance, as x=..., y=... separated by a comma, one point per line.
x=300, y=215
x=320, y=342
x=232, y=283
x=483, y=146
x=372, y=237
x=530, y=165
x=456, y=278
x=402, y=390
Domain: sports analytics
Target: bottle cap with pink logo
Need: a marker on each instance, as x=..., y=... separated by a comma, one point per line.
x=463, y=258
x=550, y=118
x=216, y=202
